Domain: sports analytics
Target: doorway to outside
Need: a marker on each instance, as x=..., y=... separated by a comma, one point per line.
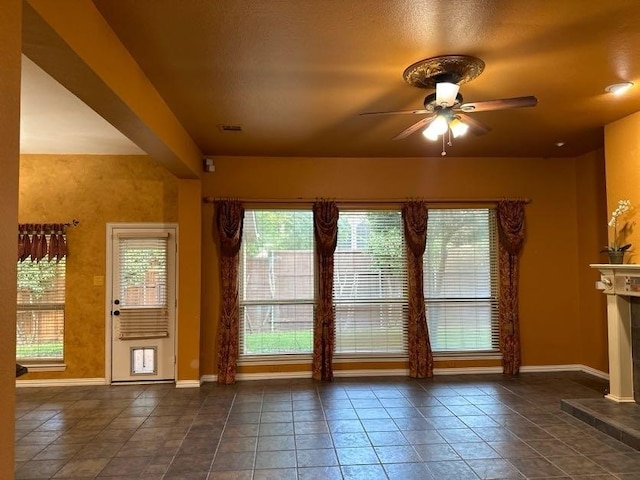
x=141, y=302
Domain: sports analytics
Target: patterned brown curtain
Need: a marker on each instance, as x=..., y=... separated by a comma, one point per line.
x=325, y=227
x=414, y=216
x=230, y=215
x=42, y=241
x=511, y=239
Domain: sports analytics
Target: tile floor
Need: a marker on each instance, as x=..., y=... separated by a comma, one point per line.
x=451, y=427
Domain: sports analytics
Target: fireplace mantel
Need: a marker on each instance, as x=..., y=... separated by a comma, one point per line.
x=619, y=283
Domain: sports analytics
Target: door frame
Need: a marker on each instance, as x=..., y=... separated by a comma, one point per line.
x=108, y=279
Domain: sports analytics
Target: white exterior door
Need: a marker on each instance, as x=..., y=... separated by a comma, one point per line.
x=143, y=304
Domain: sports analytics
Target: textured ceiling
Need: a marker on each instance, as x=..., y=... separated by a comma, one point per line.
x=296, y=74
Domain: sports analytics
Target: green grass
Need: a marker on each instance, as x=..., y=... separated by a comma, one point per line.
x=44, y=350
x=295, y=341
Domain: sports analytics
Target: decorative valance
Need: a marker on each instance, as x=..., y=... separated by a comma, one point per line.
x=42, y=241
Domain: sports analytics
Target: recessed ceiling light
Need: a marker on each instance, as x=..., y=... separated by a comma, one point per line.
x=559, y=144
x=618, y=88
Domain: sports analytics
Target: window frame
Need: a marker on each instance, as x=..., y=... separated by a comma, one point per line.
x=492, y=299
x=44, y=363
x=280, y=358
x=403, y=300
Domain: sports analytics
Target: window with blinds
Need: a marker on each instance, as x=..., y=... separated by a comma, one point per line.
x=40, y=310
x=142, y=295
x=370, y=284
x=461, y=280
x=276, y=283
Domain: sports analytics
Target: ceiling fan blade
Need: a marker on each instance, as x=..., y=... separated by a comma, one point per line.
x=414, y=128
x=414, y=112
x=500, y=104
x=476, y=126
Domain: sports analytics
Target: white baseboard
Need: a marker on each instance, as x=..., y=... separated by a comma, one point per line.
x=76, y=382
x=594, y=372
x=565, y=368
x=466, y=370
x=405, y=372
x=188, y=383
x=390, y=372
x=62, y=382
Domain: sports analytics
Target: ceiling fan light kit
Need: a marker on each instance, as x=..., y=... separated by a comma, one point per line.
x=446, y=114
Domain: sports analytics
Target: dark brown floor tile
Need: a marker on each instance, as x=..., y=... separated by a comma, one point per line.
x=238, y=444
x=233, y=461
x=275, y=443
x=79, y=468
x=550, y=448
x=576, y=465
x=436, y=452
x=474, y=450
x=271, y=429
x=280, y=459
x=536, y=467
x=320, y=473
x=494, y=469
x=407, y=471
x=322, y=457
x=451, y=470
x=363, y=472
x=618, y=462
x=310, y=427
x=126, y=466
x=342, y=426
x=37, y=469
x=459, y=435
x=313, y=440
x=351, y=439
x=397, y=454
x=513, y=449
x=275, y=474
x=379, y=439
x=356, y=455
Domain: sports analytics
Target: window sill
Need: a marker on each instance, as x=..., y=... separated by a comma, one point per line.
x=279, y=359
x=44, y=367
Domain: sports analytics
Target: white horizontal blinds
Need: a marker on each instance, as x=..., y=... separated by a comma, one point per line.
x=142, y=296
x=40, y=310
x=461, y=280
x=276, y=283
x=370, y=283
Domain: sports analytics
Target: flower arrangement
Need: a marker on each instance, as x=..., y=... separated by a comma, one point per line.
x=615, y=246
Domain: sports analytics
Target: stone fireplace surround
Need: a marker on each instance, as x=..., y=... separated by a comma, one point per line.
x=621, y=285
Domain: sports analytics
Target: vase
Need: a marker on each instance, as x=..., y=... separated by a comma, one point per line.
x=616, y=258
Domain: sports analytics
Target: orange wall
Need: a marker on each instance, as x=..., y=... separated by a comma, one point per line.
x=622, y=151
x=10, y=48
x=592, y=237
x=94, y=190
x=557, y=218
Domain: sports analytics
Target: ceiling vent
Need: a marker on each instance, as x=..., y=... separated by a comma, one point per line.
x=230, y=128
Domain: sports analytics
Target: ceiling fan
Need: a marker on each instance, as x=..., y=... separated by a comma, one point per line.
x=446, y=114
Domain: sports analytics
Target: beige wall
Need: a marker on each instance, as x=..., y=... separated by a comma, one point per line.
x=95, y=190
x=563, y=231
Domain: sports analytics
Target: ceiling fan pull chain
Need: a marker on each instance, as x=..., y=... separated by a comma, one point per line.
x=444, y=152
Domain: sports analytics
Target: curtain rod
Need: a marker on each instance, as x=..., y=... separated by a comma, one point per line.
x=363, y=200
x=72, y=223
